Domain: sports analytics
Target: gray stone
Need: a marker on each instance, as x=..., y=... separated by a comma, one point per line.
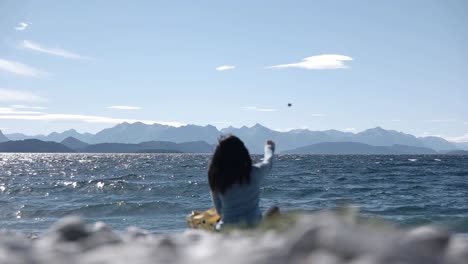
x=322, y=257
x=69, y=229
x=457, y=250
x=424, y=244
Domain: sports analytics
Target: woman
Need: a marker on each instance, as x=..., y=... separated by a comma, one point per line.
x=235, y=182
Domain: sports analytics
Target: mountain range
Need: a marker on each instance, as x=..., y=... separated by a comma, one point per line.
x=149, y=147
x=33, y=145
x=355, y=148
x=253, y=137
x=71, y=144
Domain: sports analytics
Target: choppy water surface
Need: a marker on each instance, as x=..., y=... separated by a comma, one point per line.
x=156, y=191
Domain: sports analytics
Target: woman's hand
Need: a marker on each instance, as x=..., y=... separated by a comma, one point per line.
x=271, y=144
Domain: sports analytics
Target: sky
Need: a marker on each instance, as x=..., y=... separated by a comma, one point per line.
x=345, y=65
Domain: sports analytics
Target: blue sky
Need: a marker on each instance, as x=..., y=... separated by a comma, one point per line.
x=396, y=64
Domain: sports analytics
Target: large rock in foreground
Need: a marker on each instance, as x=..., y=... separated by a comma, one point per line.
x=318, y=238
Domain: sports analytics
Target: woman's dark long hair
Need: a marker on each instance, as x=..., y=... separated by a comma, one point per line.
x=230, y=164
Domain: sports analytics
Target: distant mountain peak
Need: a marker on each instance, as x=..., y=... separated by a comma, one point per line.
x=122, y=125
x=71, y=139
x=377, y=129
x=136, y=124
x=159, y=125
x=3, y=138
x=438, y=143
x=258, y=126
x=242, y=128
x=74, y=143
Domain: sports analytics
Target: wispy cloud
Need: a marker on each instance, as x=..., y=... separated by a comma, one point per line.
x=124, y=107
x=22, y=26
x=28, y=107
x=78, y=118
x=225, y=68
x=318, y=62
x=257, y=109
x=27, y=44
x=428, y=134
x=291, y=129
x=13, y=111
x=7, y=95
x=449, y=120
x=282, y=129
x=350, y=129
x=19, y=68
x=459, y=139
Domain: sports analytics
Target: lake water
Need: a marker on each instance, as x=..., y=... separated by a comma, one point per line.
x=157, y=191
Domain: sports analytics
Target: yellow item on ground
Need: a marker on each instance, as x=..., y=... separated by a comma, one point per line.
x=206, y=220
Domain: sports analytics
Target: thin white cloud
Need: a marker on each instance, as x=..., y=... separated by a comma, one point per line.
x=7, y=95
x=257, y=109
x=291, y=129
x=427, y=134
x=12, y=111
x=124, y=107
x=450, y=120
x=19, y=68
x=350, y=129
x=21, y=26
x=81, y=118
x=459, y=139
x=28, y=107
x=27, y=44
x=225, y=68
x=318, y=62
x=282, y=129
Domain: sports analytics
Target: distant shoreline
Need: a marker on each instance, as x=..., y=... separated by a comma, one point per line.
x=256, y=154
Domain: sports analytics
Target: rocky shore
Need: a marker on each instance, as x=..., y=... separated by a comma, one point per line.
x=324, y=237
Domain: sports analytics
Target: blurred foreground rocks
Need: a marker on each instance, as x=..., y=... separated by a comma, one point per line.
x=317, y=238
